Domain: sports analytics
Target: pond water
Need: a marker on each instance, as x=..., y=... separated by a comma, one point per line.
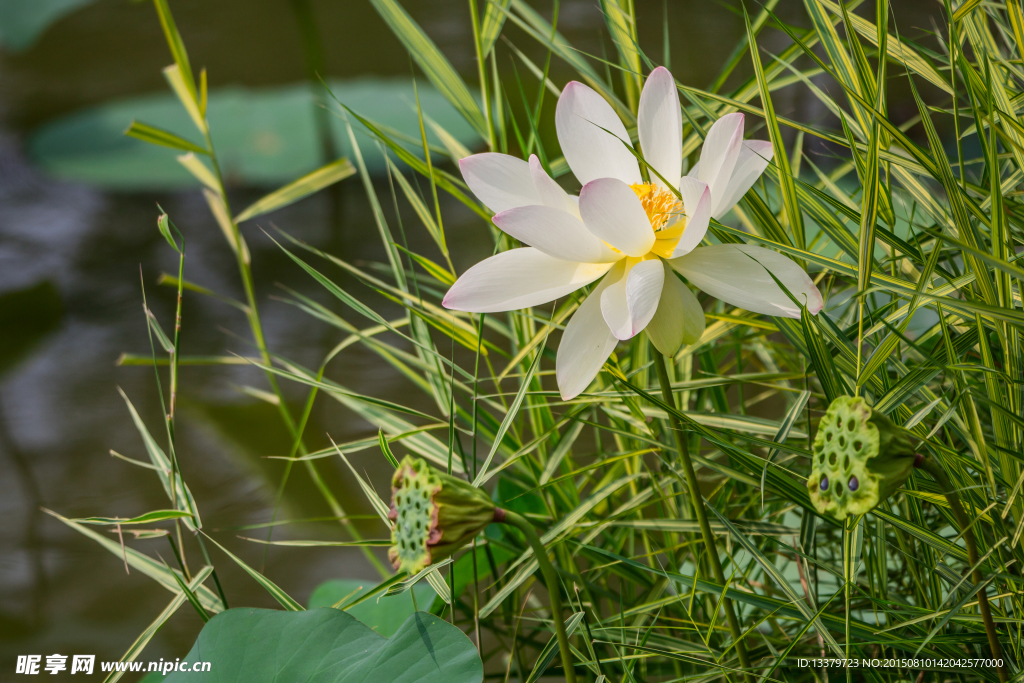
x=82, y=249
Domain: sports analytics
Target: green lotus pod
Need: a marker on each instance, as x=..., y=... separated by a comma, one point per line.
x=434, y=515
x=860, y=458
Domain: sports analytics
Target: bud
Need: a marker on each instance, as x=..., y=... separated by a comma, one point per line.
x=860, y=458
x=434, y=515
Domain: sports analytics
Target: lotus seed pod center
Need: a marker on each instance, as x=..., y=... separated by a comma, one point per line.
x=845, y=442
x=859, y=458
x=414, y=514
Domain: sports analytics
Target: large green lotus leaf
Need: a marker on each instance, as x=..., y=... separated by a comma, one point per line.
x=263, y=136
x=23, y=21
x=383, y=614
x=246, y=645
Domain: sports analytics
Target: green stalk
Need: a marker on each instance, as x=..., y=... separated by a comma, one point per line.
x=170, y=423
x=172, y=441
x=932, y=467
x=551, y=580
x=256, y=327
x=481, y=67
x=313, y=56
x=702, y=515
x=177, y=48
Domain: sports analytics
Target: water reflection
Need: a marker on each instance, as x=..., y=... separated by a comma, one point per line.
x=60, y=412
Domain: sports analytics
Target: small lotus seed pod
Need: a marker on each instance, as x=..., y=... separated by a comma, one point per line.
x=860, y=458
x=434, y=515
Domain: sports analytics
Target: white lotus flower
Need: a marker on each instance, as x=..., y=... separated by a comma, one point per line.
x=636, y=235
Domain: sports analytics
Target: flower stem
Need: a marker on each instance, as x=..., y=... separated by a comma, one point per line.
x=702, y=515
x=932, y=467
x=551, y=580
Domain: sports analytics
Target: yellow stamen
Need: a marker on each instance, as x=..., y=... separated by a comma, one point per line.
x=665, y=212
x=659, y=204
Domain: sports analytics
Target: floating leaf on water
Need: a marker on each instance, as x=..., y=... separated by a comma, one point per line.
x=328, y=645
x=383, y=613
x=263, y=136
x=22, y=23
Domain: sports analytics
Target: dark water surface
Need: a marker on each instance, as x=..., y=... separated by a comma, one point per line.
x=82, y=250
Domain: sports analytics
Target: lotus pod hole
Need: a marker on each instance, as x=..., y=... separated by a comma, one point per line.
x=414, y=515
x=433, y=514
x=859, y=458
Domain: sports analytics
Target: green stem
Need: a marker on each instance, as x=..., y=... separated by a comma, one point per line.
x=554, y=592
x=256, y=326
x=481, y=65
x=932, y=467
x=170, y=422
x=313, y=56
x=702, y=516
